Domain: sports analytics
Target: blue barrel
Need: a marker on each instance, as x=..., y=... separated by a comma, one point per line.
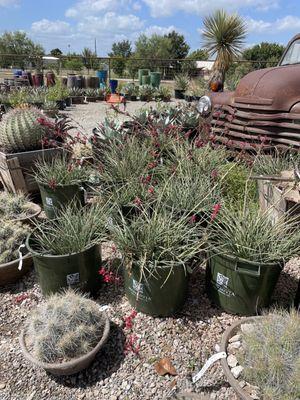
x=113, y=84
x=102, y=75
x=18, y=73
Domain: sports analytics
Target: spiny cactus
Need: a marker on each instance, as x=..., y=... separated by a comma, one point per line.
x=20, y=130
x=64, y=327
x=12, y=235
x=14, y=205
x=271, y=356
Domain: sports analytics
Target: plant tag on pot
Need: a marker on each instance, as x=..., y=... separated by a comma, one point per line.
x=20, y=250
x=208, y=364
x=72, y=279
x=49, y=201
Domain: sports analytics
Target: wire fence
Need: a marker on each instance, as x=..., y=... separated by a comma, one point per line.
x=117, y=67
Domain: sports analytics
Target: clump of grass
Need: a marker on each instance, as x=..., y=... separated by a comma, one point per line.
x=73, y=231
x=249, y=234
x=12, y=235
x=64, y=327
x=60, y=171
x=267, y=164
x=271, y=358
x=14, y=205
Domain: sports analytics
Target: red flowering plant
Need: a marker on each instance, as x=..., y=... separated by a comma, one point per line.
x=57, y=132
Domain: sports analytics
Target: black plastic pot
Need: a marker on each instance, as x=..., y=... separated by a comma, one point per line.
x=58, y=198
x=133, y=98
x=161, y=294
x=77, y=271
x=179, y=94
x=68, y=102
x=61, y=104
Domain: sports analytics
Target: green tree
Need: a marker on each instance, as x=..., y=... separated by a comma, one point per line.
x=89, y=58
x=269, y=52
x=123, y=50
x=72, y=63
x=199, y=55
x=178, y=46
x=224, y=36
x=56, y=52
x=22, y=50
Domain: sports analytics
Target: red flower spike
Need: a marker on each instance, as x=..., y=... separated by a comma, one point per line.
x=216, y=209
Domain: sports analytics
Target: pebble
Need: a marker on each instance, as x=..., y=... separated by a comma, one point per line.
x=232, y=361
x=235, y=338
x=2, y=385
x=236, y=371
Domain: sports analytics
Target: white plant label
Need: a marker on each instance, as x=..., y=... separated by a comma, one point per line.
x=21, y=256
x=49, y=201
x=208, y=364
x=72, y=279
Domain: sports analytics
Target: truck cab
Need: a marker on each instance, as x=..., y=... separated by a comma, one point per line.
x=265, y=107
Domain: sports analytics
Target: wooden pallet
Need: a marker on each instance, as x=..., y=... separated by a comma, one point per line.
x=16, y=169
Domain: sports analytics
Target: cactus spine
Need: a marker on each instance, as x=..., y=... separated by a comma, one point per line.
x=20, y=130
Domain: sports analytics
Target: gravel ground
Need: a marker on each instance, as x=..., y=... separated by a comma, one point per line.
x=188, y=339
x=88, y=115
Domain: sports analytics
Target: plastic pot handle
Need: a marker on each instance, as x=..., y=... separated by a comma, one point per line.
x=245, y=271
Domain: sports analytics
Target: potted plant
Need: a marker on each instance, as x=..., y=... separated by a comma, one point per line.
x=72, y=241
x=131, y=91
x=181, y=85
x=64, y=334
x=76, y=95
x=91, y=95
x=50, y=109
x=60, y=182
x=146, y=93
x=247, y=254
x=25, y=136
x=155, y=250
x=12, y=236
x=263, y=356
x=58, y=93
x=100, y=94
x=163, y=93
x=17, y=207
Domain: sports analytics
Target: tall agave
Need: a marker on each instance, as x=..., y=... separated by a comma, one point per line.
x=20, y=130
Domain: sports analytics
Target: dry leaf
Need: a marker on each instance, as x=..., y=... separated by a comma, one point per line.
x=164, y=366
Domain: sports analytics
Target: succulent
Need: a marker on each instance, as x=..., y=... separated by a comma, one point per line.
x=12, y=235
x=76, y=92
x=163, y=93
x=271, y=355
x=91, y=92
x=146, y=92
x=182, y=81
x=20, y=130
x=64, y=327
x=14, y=205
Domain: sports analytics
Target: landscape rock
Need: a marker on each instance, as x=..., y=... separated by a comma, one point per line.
x=236, y=371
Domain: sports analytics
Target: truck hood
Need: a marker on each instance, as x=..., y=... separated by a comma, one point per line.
x=270, y=88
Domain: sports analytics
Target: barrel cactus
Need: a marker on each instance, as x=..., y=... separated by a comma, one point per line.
x=21, y=130
x=64, y=327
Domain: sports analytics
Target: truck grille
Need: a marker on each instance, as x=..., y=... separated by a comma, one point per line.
x=244, y=129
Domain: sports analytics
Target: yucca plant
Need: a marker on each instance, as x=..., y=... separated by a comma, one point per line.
x=271, y=355
x=224, y=36
x=248, y=234
x=60, y=171
x=73, y=231
x=181, y=82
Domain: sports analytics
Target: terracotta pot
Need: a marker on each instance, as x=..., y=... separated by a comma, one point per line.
x=229, y=333
x=69, y=367
x=9, y=272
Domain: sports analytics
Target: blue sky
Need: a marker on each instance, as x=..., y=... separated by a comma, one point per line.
x=76, y=23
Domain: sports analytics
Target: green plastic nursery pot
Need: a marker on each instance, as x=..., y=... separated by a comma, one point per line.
x=161, y=294
x=142, y=72
x=155, y=78
x=145, y=80
x=59, y=197
x=240, y=286
x=76, y=271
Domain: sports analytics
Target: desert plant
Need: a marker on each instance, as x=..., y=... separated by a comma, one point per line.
x=163, y=93
x=14, y=205
x=276, y=163
x=60, y=171
x=249, y=234
x=57, y=92
x=19, y=97
x=12, y=235
x=76, y=92
x=91, y=92
x=196, y=88
x=271, y=355
x=182, y=82
x=146, y=92
x=73, y=231
x=20, y=130
x=64, y=327
x=50, y=108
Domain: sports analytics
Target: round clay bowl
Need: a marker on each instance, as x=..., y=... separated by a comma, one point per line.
x=229, y=333
x=68, y=367
x=9, y=272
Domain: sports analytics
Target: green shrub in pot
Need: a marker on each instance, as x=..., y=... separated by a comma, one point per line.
x=72, y=242
x=181, y=85
x=247, y=253
x=146, y=93
x=162, y=93
x=60, y=182
x=156, y=248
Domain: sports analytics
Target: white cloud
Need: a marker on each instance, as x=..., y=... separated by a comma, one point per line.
x=161, y=8
x=45, y=26
x=288, y=23
x=159, y=30
x=92, y=7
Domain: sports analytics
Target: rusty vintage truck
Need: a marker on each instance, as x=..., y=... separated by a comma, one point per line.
x=264, y=107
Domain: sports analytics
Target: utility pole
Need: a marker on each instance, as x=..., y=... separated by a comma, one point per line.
x=95, y=46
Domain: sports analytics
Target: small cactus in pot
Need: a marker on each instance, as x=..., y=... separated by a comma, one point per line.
x=20, y=130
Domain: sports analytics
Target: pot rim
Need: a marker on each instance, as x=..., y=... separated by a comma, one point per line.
x=231, y=331
x=238, y=259
x=37, y=210
x=16, y=261
x=67, y=364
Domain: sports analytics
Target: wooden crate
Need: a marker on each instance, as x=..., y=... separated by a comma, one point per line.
x=16, y=169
